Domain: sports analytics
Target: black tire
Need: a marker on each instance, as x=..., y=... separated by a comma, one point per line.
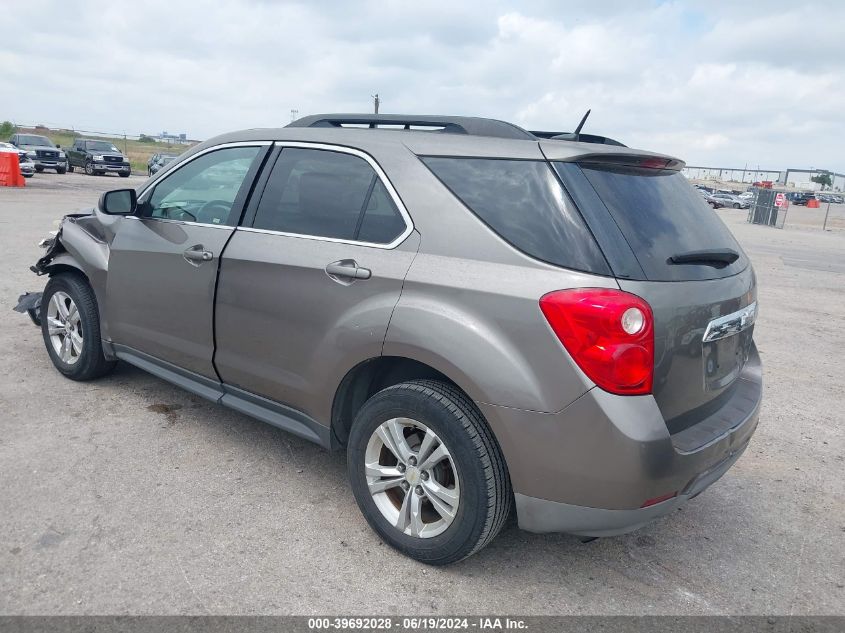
x=124, y=174
x=61, y=170
x=39, y=169
x=89, y=168
x=736, y=205
x=486, y=495
x=70, y=167
x=91, y=362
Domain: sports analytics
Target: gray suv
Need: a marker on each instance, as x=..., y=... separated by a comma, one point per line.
x=480, y=316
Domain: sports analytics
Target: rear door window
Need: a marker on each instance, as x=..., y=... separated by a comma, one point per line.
x=328, y=194
x=523, y=202
x=660, y=216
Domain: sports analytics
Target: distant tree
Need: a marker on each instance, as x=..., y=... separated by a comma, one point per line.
x=146, y=139
x=7, y=128
x=823, y=179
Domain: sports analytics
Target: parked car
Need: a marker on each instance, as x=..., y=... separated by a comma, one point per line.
x=718, y=200
x=157, y=161
x=799, y=198
x=478, y=317
x=746, y=195
x=25, y=162
x=838, y=199
x=41, y=151
x=97, y=158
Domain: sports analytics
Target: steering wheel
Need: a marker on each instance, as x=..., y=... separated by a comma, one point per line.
x=181, y=211
x=209, y=209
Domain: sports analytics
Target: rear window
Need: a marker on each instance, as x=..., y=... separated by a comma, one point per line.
x=660, y=216
x=524, y=203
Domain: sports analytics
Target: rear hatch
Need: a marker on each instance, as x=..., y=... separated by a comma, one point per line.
x=666, y=245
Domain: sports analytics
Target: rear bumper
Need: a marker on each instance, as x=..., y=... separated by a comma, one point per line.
x=542, y=515
x=590, y=468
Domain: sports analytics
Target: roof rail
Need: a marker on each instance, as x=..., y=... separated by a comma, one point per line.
x=581, y=138
x=473, y=126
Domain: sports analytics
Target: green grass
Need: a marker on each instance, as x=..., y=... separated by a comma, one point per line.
x=138, y=152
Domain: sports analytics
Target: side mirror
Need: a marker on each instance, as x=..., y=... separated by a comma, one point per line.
x=118, y=202
x=59, y=146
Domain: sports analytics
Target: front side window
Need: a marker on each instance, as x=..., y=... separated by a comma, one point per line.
x=204, y=190
x=322, y=193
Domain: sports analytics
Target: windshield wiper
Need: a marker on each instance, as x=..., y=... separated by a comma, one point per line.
x=719, y=257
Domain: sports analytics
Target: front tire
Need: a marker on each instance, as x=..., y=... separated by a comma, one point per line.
x=736, y=205
x=61, y=170
x=427, y=473
x=124, y=174
x=70, y=326
x=89, y=168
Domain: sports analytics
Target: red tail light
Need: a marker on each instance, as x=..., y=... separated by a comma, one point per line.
x=609, y=333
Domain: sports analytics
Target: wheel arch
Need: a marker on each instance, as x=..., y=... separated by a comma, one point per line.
x=369, y=377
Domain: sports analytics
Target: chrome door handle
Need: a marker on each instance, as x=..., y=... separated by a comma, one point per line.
x=347, y=269
x=197, y=254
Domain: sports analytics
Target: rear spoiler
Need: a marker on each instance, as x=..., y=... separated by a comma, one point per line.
x=642, y=161
x=577, y=137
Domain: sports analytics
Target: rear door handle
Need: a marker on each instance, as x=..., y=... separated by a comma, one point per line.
x=348, y=270
x=197, y=254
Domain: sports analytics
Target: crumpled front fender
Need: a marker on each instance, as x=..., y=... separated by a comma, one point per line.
x=79, y=245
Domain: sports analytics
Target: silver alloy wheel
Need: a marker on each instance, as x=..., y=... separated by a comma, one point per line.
x=412, y=477
x=89, y=168
x=64, y=327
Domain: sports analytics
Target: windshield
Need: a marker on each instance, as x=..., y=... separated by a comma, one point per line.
x=101, y=146
x=34, y=139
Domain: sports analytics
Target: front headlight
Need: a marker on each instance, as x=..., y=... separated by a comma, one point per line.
x=61, y=154
x=98, y=157
x=30, y=154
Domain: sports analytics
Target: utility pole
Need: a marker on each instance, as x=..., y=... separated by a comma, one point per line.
x=293, y=114
x=376, y=102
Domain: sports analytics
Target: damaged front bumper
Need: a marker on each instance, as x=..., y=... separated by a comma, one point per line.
x=30, y=302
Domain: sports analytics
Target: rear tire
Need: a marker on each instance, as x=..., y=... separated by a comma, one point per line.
x=70, y=168
x=124, y=174
x=39, y=169
x=736, y=205
x=61, y=170
x=457, y=502
x=70, y=326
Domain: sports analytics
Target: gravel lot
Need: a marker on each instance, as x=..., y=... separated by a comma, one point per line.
x=128, y=495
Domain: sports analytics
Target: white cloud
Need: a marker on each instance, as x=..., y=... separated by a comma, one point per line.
x=712, y=82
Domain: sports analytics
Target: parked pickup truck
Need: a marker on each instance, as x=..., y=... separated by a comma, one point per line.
x=97, y=157
x=41, y=151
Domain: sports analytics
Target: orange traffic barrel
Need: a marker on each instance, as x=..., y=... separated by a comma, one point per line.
x=10, y=170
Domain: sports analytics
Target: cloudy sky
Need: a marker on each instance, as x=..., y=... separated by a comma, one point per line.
x=716, y=83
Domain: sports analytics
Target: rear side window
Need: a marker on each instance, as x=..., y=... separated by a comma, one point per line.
x=523, y=202
x=661, y=216
x=322, y=193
